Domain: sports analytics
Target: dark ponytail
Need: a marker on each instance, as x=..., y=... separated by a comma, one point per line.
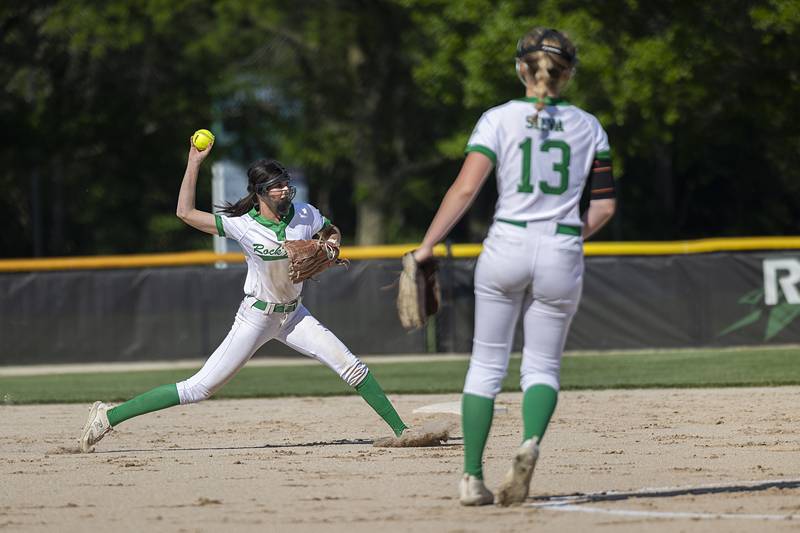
x=260, y=172
x=241, y=207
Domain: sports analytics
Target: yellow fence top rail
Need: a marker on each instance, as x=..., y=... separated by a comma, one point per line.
x=393, y=251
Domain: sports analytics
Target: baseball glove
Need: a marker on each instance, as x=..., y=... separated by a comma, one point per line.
x=309, y=257
x=418, y=293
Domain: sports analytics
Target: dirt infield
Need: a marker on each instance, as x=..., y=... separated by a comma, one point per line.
x=677, y=460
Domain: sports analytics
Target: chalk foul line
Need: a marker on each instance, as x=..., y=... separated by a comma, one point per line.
x=572, y=502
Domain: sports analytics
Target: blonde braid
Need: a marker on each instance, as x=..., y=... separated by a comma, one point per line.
x=541, y=78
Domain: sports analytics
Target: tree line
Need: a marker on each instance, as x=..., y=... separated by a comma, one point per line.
x=374, y=100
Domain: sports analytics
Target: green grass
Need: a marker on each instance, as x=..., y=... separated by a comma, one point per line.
x=706, y=368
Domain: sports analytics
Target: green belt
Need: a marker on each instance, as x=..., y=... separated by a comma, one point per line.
x=564, y=229
x=277, y=308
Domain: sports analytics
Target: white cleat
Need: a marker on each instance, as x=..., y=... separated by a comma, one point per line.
x=96, y=427
x=515, y=486
x=473, y=492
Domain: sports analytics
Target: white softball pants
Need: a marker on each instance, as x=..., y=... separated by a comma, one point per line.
x=251, y=329
x=538, y=273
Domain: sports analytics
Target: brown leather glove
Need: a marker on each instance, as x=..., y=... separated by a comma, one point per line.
x=418, y=293
x=310, y=257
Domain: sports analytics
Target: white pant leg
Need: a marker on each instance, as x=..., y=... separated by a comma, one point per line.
x=557, y=285
x=502, y=277
x=250, y=330
x=308, y=336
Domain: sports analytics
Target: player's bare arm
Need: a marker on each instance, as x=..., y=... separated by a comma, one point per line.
x=186, y=210
x=598, y=214
x=459, y=198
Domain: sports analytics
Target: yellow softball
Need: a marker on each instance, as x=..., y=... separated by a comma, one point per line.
x=201, y=139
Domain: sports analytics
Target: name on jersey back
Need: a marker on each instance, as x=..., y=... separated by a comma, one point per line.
x=543, y=123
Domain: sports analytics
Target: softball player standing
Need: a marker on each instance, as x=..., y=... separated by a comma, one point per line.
x=543, y=150
x=271, y=308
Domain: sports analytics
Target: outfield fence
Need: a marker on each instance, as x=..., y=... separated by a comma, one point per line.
x=715, y=292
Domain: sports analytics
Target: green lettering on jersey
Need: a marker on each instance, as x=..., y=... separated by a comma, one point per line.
x=525, y=186
x=272, y=254
x=562, y=167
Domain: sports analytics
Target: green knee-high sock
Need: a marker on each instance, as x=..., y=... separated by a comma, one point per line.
x=538, y=404
x=476, y=420
x=153, y=400
x=373, y=394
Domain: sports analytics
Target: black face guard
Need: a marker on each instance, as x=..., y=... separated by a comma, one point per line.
x=560, y=50
x=263, y=187
x=290, y=194
x=282, y=205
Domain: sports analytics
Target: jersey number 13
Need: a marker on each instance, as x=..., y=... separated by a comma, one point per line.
x=562, y=167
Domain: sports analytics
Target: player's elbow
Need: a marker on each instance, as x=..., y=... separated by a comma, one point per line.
x=465, y=190
x=610, y=208
x=183, y=214
x=464, y=195
x=604, y=208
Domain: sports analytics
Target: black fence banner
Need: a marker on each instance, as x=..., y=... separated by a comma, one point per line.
x=629, y=302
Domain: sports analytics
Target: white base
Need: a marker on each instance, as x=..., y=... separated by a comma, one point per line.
x=452, y=408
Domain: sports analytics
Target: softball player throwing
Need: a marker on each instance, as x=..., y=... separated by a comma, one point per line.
x=543, y=150
x=271, y=309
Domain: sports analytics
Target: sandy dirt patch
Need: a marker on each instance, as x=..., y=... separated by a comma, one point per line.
x=676, y=460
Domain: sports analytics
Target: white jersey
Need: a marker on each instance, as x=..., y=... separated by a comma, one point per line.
x=541, y=165
x=262, y=242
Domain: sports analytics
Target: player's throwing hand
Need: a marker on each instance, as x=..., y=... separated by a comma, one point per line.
x=198, y=156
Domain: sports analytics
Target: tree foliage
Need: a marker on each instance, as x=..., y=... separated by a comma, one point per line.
x=698, y=100
x=375, y=99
